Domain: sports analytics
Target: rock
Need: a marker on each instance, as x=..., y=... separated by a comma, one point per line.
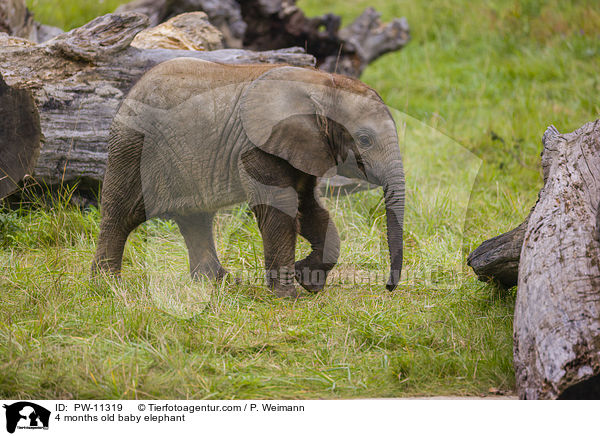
x=189, y=31
x=225, y=15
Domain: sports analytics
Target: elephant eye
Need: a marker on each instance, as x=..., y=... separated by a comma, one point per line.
x=365, y=141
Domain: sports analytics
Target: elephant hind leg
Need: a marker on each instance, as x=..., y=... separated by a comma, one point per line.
x=317, y=227
x=197, y=233
x=115, y=227
x=122, y=202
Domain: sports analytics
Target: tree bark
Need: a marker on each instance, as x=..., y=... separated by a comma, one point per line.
x=557, y=314
x=276, y=24
x=77, y=81
x=19, y=136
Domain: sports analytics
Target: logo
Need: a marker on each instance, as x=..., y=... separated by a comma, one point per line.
x=26, y=415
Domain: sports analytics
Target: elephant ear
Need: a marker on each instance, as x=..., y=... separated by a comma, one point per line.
x=283, y=113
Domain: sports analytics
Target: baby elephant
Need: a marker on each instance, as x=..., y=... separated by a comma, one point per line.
x=194, y=136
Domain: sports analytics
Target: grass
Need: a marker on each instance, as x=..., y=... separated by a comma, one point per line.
x=474, y=91
x=70, y=13
x=157, y=335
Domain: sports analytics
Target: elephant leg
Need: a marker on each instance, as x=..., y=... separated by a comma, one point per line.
x=122, y=202
x=197, y=233
x=271, y=186
x=114, y=230
x=317, y=227
x=278, y=231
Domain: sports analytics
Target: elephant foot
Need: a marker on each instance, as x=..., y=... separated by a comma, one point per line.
x=104, y=269
x=225, y=275
x=282, y=291
x=230, y=279
x=217, y=274
x=311, y=277
x=282, y=283
x=101, y=278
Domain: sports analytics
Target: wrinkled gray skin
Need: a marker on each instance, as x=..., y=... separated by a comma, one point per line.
x=193, y=137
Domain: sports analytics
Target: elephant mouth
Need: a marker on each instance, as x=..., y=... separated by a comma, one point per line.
x=352, y=167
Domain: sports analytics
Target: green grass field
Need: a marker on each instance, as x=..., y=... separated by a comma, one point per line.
x=473, y=92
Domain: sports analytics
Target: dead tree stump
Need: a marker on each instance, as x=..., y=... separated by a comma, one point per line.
x=557, y=314
x=554, y=257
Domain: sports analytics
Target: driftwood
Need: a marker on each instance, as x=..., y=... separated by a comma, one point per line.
x=276, y=24
x=557, y=314
x=77, y=81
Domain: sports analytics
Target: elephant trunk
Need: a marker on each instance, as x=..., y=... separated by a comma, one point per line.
x=393, y=192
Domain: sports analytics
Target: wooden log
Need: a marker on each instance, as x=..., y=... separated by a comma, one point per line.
x=557, y=313
x=365, y=40
x=276, y=24
x=19, y=136
x=78, y=79
x=497, y=259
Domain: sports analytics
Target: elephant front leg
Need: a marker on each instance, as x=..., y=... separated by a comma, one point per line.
x=278, y=231
x=197, y=233
x=270, y=184
x=318, y=228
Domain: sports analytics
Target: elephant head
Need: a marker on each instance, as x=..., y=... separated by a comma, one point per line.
x=323, y=123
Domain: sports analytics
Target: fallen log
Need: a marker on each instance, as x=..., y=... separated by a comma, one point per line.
x=77, y=81
x=557, y=313
x=19, y=136
x=276, y=24
x=497, y=259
